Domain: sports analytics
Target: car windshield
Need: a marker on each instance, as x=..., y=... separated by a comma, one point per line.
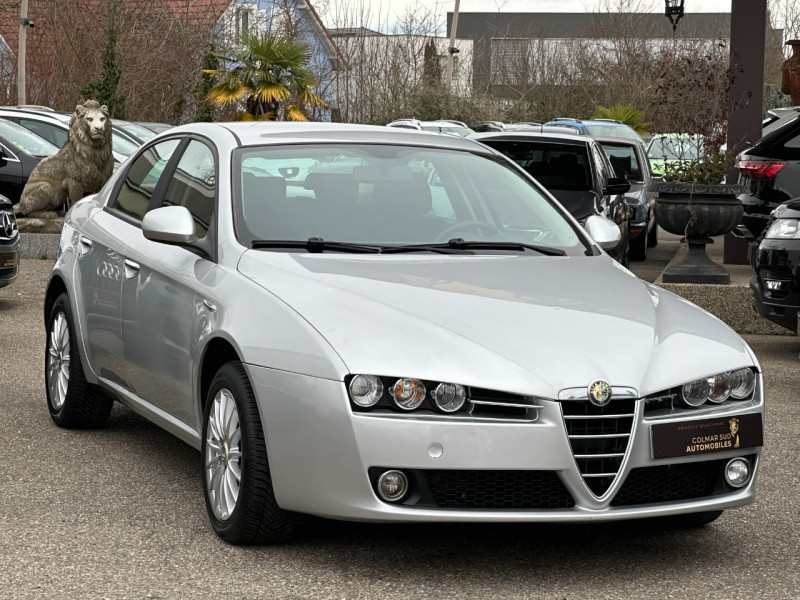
x=623, y=159
x=674, y=148
x=25, y=140
x=392, y=195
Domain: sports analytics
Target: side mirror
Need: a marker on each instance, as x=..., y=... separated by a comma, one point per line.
x=603, y=231
x=617, y=185
x=169, y=224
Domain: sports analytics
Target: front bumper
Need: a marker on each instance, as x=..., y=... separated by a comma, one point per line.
x=324, y=459
x=9, y=261
x=776, y=284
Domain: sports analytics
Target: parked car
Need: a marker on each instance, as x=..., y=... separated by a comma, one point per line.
x=576, y=170
x=629, y=160
x=9, y=243
x=776, y=261
x=770, y=173
x=673, y=148
x=20, y=151
x=774, y=114
x=448, y=127
x=336, y=347
x=137, y=132
x=593, y=127
x=495, y=126
x=54, y=126
x=157, y=127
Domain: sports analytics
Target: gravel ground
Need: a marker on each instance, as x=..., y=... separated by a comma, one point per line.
x=118, y=513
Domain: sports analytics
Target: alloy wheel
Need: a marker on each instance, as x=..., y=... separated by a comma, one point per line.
x=223, y=459
x=58, y=361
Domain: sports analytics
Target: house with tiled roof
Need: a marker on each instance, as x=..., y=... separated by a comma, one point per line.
x=159, y=46
x=293, y=18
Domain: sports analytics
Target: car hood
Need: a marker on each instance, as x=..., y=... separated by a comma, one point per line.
x=513, y=323
x=579, y=203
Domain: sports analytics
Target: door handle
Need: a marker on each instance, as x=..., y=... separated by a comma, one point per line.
x=131, y=269
x=86, y=246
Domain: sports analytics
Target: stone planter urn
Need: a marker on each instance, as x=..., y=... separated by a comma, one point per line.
x=697, y=212
x=790, y=73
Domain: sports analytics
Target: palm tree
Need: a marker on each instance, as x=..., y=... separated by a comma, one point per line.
x=269, y=73
x=629, y=115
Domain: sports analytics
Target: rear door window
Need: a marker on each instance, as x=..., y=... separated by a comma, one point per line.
x=52, y=133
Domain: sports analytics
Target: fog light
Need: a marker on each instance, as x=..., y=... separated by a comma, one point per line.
x=737, y=472
x=392, y=485
x=773, y=286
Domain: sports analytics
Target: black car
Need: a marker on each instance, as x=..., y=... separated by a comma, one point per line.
x=9, y=243
x=775, y=257
x=770, y=172
x=629, y=160
x=573, y=168
x=20, y=151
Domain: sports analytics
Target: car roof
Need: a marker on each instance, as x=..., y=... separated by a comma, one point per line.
x=50, y=116
x=568, y=138
x=254, y=133
x=777, y=131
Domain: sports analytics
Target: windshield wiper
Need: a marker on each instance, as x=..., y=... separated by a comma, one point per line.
x=462, y=244
x=315, y=244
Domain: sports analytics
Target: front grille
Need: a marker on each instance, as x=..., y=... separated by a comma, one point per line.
x=668, y=483
x=8, y=226
x=599, y=438
x=497, y=489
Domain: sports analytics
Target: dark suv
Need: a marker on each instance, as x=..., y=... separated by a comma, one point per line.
x=573, y=168
x=9, y=243
x=770, y=172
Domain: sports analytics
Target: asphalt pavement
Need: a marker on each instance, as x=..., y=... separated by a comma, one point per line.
x=119, y=513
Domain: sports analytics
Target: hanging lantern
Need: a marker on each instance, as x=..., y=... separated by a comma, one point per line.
x=673, y=11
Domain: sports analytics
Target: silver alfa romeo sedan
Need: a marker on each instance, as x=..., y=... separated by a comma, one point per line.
x=373, y=324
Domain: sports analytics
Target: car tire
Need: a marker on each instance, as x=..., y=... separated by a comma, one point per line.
x=652, y=237
x=237, y=485
x=73, y=402
x=638, y=247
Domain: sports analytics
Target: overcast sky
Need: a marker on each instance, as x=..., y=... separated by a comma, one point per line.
x=393, y=10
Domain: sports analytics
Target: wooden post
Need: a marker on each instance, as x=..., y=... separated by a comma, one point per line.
x=450, y=54
x=23, y=30
x=746, y=93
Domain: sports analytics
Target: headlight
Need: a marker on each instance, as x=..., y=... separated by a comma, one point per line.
x=743, y=382
x=739, y=385
x=784, y=229
x=366, y=390
x=407, y=394
x=449, y=397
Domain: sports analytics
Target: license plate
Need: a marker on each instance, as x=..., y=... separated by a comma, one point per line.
x=9, y=260
x=689, y=438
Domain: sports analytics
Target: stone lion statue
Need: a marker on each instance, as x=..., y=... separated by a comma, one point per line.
x=81, y=167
